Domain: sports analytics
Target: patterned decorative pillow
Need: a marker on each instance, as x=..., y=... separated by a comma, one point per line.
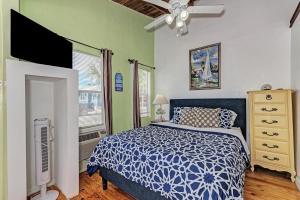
x=201, y=117
x=177, y=114
x=227, y=118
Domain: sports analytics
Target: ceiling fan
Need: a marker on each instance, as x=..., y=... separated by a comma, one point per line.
x=180, y=12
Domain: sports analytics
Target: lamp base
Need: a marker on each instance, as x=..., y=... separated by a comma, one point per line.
x=161, y=118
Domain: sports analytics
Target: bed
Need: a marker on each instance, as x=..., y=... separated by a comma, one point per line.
x=170, y=161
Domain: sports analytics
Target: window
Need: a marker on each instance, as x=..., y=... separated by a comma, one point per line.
x=91, y=112
x=144, y=90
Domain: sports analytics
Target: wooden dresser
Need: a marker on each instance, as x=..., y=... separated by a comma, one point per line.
x=271, y=130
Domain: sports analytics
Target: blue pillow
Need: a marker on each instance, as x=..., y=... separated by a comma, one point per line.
x=227, y=118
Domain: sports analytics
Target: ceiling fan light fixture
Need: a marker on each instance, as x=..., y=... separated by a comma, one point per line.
x=169, y=19
x=179, y=23
x=180, y=11
x=184, y=15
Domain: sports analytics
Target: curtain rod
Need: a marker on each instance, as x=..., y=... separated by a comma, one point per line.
x=85, y=45
x=132, y=60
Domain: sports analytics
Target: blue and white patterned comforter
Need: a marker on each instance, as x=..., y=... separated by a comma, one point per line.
x=178, y=163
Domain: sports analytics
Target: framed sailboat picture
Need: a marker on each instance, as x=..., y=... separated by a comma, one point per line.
x=205, y=67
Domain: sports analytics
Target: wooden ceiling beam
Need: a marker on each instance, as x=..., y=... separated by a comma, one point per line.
x=295, y=15
x=145, y=8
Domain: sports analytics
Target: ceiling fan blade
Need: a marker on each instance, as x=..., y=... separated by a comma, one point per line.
x=216, y=9
x=158, y=21
x=159, y=3
x=184, y=2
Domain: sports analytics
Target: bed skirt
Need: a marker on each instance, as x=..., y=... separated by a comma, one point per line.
x=132, y=188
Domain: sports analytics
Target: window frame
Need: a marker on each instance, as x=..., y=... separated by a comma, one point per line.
x=148, y=113
x=96, y=127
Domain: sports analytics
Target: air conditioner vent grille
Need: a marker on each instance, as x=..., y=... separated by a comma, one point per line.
x=88, y=136
x=44, y=148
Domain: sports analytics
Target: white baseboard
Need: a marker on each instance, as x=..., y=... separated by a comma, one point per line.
x=298, y=182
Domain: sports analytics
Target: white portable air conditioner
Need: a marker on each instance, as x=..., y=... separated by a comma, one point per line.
x=42, y=159
x=87, y=143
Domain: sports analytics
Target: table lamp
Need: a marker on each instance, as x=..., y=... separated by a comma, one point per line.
x=160, y=100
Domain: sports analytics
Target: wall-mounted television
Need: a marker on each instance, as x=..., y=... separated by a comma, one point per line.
x=32, y=42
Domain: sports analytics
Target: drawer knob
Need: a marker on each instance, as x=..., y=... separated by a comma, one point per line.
x=268, y=97
x=271, y=147
x=266, y=133
x=267, y=110
x=272, y=159
x=267, y=122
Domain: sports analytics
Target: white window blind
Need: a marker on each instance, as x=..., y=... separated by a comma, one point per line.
x=91, y=110
x=144, y=90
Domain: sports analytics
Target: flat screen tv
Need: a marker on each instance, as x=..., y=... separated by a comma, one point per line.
x=33, y=42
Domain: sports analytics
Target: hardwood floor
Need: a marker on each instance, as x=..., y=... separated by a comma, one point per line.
x=261, y=184
x=267, y=185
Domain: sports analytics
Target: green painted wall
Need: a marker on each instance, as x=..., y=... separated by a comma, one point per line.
x=103, y=24
x=100, y=23
x=1, y=106
x=5, y=6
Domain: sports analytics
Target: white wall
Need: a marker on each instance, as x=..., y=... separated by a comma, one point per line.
x=65, y=92
x=295, y=81
x=39, y=104
x=255, y=39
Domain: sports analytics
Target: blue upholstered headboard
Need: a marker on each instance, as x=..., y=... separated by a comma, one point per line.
x=236, y=105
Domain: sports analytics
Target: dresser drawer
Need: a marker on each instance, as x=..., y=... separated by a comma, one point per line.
x=272, y=146
x=272, y=97
x=271, y=133
x=272, y=158
x=270, y=109
x=271, y=121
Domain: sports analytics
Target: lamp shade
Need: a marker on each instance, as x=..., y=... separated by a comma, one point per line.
x=160, y=100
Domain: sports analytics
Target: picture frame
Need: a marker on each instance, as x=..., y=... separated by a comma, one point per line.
x=118, y=82
x=205, y=67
